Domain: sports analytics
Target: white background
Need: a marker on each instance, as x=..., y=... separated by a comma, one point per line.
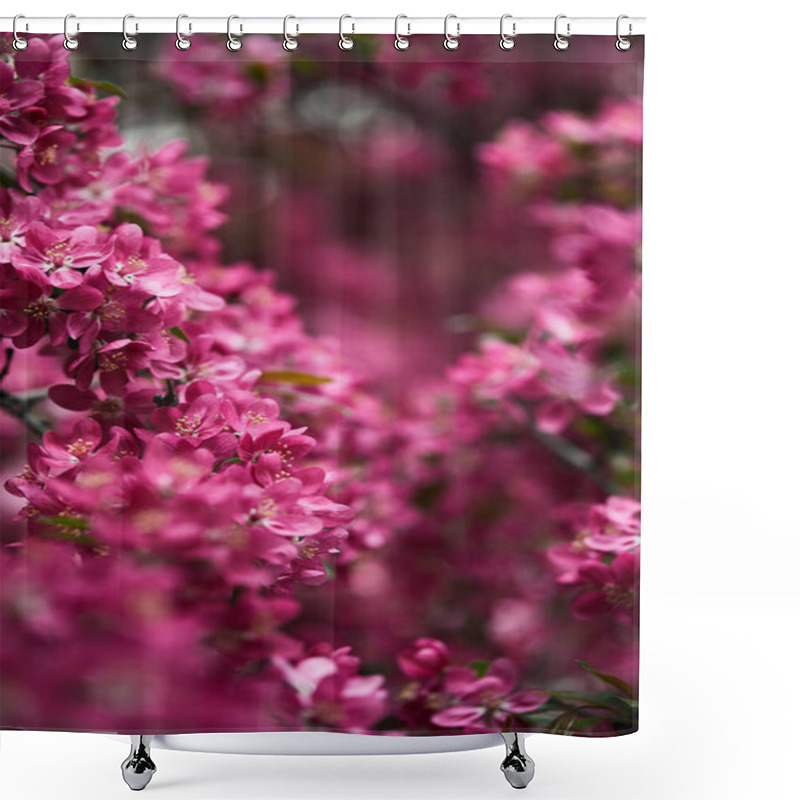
x=720, y=599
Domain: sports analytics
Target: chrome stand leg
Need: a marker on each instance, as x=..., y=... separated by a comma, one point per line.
x=517, y=766
x=138, y=768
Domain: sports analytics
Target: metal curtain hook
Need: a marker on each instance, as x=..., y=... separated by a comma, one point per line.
x=19, y=43
x=623, y=44
x=507, y=42
x=451, y=42
x=560, y=42
x=129, y=42
x=70, y=42
x=289, y=42
x=400, y=42
x=234, y=43
x=345, y=42
x=181, y=42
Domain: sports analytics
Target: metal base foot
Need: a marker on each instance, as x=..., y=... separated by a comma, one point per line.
x=138, y=768
x=517, y=766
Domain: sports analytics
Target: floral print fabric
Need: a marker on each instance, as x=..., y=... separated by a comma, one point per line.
x=320, y=386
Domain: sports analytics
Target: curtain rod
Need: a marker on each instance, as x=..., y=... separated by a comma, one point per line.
x=578, y=26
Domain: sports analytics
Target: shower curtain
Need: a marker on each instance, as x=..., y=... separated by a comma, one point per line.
x=320, y=385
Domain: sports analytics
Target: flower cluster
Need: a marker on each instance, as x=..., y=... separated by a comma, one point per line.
x=170, y=462
x=228, y=84
x=602, y=558
x=562, y=149
x=477, y=699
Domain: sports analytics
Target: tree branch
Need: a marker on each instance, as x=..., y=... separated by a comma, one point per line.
x=7, y=366
x=19, y=408
x=576, y=457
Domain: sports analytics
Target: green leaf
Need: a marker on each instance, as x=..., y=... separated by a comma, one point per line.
x=565, y=722
x=594, y=701
x=105, y=86
x=178, y=333
x=258, y=72
x=290, y=376
x=7, y=181
x=129, y=215
x=480, y=668
x=75, y=523
x=428, y=495
x=231, y=460
x=305, y=66
x=611, y=680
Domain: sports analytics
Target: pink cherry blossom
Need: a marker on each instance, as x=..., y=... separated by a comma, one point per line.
x=115, y=362
x=521, y=154
x=29, y=310
x=60, y=255
x=331, y=693
x=139, y=262
x=427, y=658
x=42, y=160
x=609, y=589
x=206, y=458
x=16, y=215
x=485, y=703
x=16, y=95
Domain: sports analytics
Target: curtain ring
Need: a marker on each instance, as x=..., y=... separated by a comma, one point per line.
x=451, y=42
x=19, y=43
x=129, y=42
x=289, y=42
x=560, y=42
x=70, y=42
x=181, y=42
x=345, y=42
x=401, y=42
x=234, y=43
x=623, y=44
x=507, y=42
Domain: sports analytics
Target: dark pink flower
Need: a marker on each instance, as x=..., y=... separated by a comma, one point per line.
x=426, y=659
x=555, y=305
x=281, y=511
x=100, y=405
x=196, y=421
x=43, y=60
x=44, y=159
x=16, y=95
x=523, y=155
x=275, y=446
x=244, y=415
x=610, y=527
x=226, y=87
x=61, y=254
x=330, y=691
x=115, y=361
x=28, y=311
x=487, y=702
x=309, y=567
x=138, y=261
x=16, y=215
x=609, y=588
x=569, y=382
x=615, y=526
x=61, y=453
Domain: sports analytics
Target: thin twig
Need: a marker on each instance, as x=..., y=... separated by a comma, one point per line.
x=19, y=408
x=9, y=357
x=576, y=457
